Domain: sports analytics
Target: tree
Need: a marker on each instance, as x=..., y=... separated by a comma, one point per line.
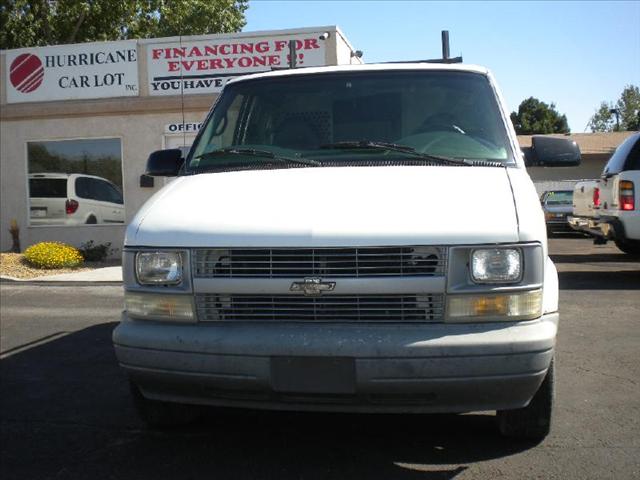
x=603, y=120
x=628, y=108
x=31, y=23
x=536, y=117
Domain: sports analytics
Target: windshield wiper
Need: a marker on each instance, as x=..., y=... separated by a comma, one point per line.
x=394, y=147
x=253, y=152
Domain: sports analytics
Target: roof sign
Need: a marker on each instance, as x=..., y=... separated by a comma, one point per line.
x=70, y=72
x=205, y=66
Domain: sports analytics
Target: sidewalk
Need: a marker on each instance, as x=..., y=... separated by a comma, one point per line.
x=106, y=275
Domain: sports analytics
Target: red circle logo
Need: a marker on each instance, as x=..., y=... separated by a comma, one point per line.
x=26, y=72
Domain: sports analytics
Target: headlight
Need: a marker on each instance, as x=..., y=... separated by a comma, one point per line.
x=491, y=307
x=496, y=265
x=159, y=268
x=154, y=306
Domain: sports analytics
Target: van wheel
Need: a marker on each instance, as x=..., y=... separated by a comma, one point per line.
x=532, y=422
x=630, y=247
x=161, y=415
x=91, y=220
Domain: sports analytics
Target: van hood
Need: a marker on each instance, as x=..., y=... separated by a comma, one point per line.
x=330, y=206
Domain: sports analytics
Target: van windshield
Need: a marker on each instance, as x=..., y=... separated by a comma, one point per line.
x=336, y=118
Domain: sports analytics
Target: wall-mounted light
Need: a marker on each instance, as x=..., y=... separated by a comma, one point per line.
x=357, y=54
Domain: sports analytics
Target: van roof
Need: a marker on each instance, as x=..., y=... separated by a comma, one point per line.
x=369, y=67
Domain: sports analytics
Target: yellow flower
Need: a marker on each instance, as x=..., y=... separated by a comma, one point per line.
x=53, y=255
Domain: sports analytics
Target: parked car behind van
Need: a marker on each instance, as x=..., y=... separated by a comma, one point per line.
x=557, y=206
x=73, y=199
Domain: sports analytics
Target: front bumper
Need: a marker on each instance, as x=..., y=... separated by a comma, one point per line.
x=609, y=228
x=585, y=225
x=329, y=367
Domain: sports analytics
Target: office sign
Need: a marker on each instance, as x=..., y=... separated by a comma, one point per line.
x=71, y=72
x=189, y=127
x=205, y=66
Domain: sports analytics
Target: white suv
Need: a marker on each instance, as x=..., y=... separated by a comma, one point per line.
x=357, y=238
x=73, y=199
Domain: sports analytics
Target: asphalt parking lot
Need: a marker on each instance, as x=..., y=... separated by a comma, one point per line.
x=65, y=410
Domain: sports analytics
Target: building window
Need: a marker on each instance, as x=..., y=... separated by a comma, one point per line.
x=75, y=182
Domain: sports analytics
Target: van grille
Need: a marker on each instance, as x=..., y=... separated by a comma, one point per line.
x=327, y=262
x=339, y=308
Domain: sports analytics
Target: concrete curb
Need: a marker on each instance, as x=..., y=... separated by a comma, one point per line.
x=58, y=283
x=7, y=278
x=99, y=276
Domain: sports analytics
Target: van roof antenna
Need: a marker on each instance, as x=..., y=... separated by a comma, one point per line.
x=445, y=44
x=446, y=54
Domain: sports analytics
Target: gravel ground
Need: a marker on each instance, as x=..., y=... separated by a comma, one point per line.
x=14, y=265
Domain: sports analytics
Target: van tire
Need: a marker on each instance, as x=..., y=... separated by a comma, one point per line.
x=162, y=415
x=631, y=247
x=532, y=422
x=91, y=220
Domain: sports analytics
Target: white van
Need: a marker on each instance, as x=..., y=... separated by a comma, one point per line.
x=73, y=199
x=357, y=238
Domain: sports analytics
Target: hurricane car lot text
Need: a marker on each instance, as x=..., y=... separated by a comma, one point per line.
x=66, y=410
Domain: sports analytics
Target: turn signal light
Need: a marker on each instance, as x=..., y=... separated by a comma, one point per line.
x=627, y=197
x=596, y=197
x=159, y=306
x=515, y=306
x=71, y=206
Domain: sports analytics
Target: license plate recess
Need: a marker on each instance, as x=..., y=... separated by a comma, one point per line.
x=330, y=375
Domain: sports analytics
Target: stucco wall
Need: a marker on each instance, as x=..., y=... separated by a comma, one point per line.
x=140, y=134
x=344, y=50
x=590, y=167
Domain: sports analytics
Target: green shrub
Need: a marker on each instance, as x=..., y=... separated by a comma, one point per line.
x=53, y=255
x=95, y=252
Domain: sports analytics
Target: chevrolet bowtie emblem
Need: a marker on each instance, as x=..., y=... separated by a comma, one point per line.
x=312, y=286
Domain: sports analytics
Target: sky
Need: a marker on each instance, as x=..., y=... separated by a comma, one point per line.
x=575, y=54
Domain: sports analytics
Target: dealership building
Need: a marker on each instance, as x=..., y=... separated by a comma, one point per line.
x=96, y=111
x=77, y=123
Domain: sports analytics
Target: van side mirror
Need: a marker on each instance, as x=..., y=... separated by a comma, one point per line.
x=164, y=163
x=552, y=152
